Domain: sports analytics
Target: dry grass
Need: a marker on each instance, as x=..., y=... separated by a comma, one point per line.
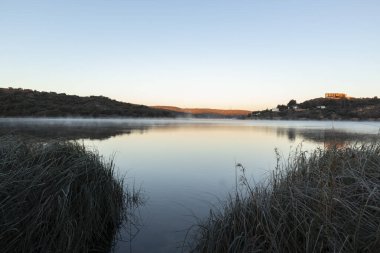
x=58, y=197
x=326, y=201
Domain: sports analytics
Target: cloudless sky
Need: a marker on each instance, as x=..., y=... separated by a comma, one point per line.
x=193, y=53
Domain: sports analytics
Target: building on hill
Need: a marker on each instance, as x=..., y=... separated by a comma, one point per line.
x=336, y=95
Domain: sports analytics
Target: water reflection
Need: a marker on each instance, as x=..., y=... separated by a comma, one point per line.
x=103, y=129
x=327, y=137
x=288, y=132
x=186, y=165
x=70, y=132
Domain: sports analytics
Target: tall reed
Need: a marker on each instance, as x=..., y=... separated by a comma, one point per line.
x=324, y=201
x=58, y=197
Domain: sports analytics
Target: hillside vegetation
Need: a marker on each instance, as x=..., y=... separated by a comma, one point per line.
x=206, y=112
x=23, y=102
x=324, y=108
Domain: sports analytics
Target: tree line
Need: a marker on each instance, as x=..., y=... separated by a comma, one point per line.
x=24, y=102
x=325, y=108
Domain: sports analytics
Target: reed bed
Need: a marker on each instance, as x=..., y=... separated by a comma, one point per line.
x=58, y=197
x=324, y=201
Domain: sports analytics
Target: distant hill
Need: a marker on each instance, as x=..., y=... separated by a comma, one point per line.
x=23, y=102
x=206, y=112
x=325, y=108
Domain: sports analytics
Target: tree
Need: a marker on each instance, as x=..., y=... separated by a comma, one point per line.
x=282, y=107
x=292, y=103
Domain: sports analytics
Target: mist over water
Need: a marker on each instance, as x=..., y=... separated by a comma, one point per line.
x=184, y=166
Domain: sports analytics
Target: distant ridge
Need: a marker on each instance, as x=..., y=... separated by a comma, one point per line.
x=17, y=102
x=206, y=111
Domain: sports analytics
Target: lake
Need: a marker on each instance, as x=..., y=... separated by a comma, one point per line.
x=184, y=167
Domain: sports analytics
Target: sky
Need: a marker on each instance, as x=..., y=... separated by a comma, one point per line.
x=235, y=54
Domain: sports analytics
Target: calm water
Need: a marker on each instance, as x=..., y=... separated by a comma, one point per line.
x=185, y=166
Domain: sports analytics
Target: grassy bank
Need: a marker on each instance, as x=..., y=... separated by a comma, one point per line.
x=326, y=201
x=58, y=197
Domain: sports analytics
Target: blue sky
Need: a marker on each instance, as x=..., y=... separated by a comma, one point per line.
x=216, y=53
